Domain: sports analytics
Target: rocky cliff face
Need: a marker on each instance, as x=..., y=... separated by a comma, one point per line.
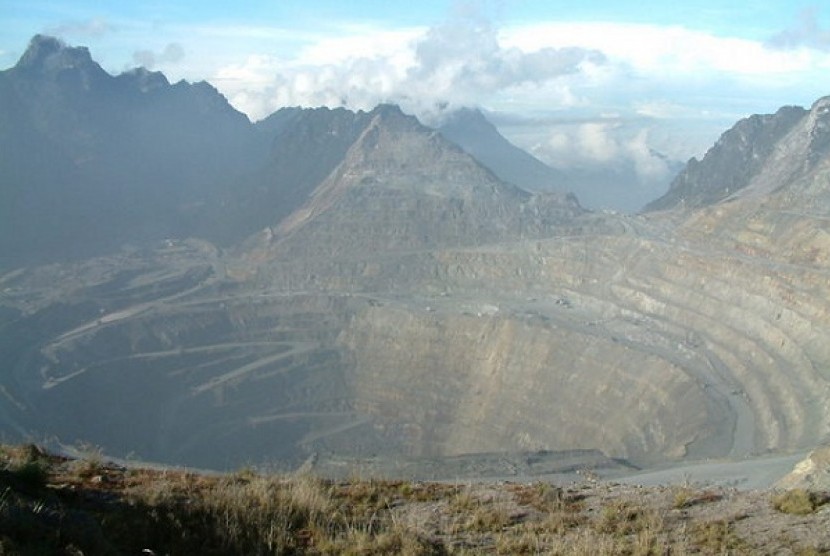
x=813, y=473
x=757, y=156
x=781, y=214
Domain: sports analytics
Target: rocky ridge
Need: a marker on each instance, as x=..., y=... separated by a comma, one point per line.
x=756, y=156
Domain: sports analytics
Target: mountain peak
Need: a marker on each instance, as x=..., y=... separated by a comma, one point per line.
x=737, y=159
x=822, y=105
x=389, y=110
x=144, y=79
x=472, y=131
x=40, y=47
x=392, y=115
x=470, y=118
x=819, y=122
x=50, y=54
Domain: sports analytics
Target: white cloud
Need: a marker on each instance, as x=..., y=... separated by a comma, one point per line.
x=170, y=54
x=552, y=66
x=661, y=109
x=666, y=51
x=95, y=27
x=361, y=42
x=562, y=66
x=595, y=143
x=682, y=86
x=805, y=33
x=647, y=164
x=457, y=64
x=602, y=143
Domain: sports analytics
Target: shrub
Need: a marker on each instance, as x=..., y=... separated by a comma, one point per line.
x=27, y=464
x=798, y=502
x=717, y=537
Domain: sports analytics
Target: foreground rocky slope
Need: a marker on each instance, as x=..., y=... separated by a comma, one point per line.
x=89, y=506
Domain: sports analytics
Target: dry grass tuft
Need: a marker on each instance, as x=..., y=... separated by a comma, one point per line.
x=686, y=497
x=798, y=501
x=718, y=537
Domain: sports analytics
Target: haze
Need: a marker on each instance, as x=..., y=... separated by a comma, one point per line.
x=474, y=249
x=619, y=93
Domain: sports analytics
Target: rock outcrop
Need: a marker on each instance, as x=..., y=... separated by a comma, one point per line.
x=732, y=163
x=813, y=473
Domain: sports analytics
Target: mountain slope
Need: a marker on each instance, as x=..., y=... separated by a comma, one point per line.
x=95, y=160
x=738, y=158
x=764, y=187
x=403, y=187
x=469, y=129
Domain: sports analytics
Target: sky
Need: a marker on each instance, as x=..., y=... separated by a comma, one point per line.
x=601, y=82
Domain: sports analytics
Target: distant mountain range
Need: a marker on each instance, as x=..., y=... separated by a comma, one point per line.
x=95, y=161
x=92, y=161
x=609, y=185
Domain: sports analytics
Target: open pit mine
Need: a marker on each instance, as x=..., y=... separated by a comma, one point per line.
x=352, y=291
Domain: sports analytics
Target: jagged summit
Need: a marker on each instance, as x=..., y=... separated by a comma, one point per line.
x=757, y=156
x=103, y=159
x=818, y=128
x=393, y=142
x=393, y=113
x=48, y=54
x=40, y=47
x=731, y=164
x=144, y=80
x=49, y=58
